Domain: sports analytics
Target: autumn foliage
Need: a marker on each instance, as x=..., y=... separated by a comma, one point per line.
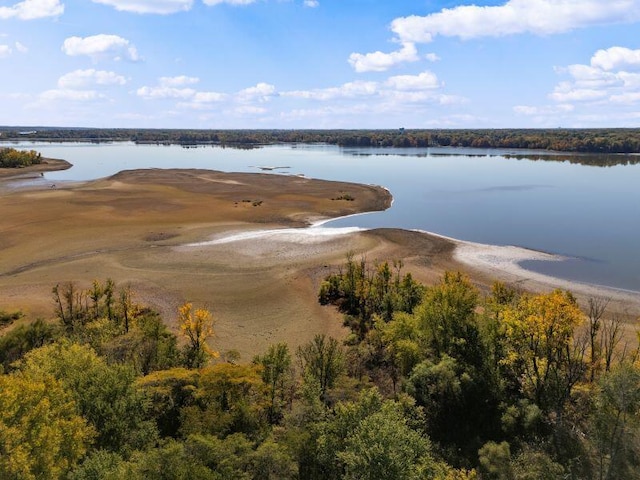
x=435, y=382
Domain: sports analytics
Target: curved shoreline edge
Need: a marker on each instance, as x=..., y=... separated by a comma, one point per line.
x=499, y=262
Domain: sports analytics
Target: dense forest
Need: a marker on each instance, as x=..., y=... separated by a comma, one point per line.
x=12, y=158
x=561, y=140
x=434, y=382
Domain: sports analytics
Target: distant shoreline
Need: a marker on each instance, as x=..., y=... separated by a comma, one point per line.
x=34, y=171
x=594, y=140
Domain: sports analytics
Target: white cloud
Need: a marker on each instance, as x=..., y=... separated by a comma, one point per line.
x=311, y=3
x=348, y=90
x=101, y=46
x=540, y=17
x=179, y=81
x=626, y=98
x=161, y=7
x=6, y=50
x=432, y=57
x=203, y=100
x=83, y=79
x=33, y=9
x=162, y=92
x=603, y=80
x=261, y=92
x=71, y=95
x=615, y=57
x=248, y=110
x=544, y=110
x=380, y=61
x=230, y=2
x=209, y=97
x=423, y=81
x=566, y=92
x=392, y=95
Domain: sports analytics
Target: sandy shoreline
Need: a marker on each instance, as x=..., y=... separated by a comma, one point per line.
x=233, y=242
x=500, y=262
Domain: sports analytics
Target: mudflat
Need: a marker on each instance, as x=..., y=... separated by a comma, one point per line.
x=164, y=233
x=132, y=226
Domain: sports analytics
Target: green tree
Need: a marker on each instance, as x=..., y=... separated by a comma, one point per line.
x=166, y=393
x=277, y=375
x=384, y=447
x=322, y=359
x=105, y=394
x=616, y=424
x=447, y=318
x=147, y=346
x=495, y=461
x=99, y=465
x=228, y=399
x=24, y=338
x=171, y=461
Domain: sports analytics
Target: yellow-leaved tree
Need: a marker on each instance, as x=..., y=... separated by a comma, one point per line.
x=539, y=330
x=196, y=326
x=41, y=433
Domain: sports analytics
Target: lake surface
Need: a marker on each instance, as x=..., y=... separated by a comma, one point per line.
x=587, y=213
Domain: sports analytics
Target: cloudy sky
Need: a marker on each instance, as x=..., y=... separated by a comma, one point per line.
x=320, y=63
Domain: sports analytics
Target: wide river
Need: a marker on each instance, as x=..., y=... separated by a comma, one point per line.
x=589, y=214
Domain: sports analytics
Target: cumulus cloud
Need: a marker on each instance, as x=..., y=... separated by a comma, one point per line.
x=311, y=3
x=83, y=79
x=7, y=50
x=101, y=46
x=81, y=86
x=177, y=88
x=162, y=92
x=262, y=92
x=393, y=93
x=71, y=95
x=209, y=97
x=616, y=57
x=541, y=17
x=545, y=110
x=603, y=79
x=32, y=10
x=423, y=81
x=348, y=90
x=626, y=98
x=203, y=100
x=179, y=81
x=160, y=7
x=380, y=61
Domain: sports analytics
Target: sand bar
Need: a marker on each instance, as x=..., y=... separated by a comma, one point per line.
x=235, y=242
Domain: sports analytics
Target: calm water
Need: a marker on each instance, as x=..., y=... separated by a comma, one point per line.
x=585, y=212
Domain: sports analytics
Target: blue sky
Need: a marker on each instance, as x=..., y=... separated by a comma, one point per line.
x=320, y=63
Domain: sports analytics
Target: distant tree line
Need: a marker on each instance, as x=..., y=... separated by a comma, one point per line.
x=619, y=140
x=12, y=158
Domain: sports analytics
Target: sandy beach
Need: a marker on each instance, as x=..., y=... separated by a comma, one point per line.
x=240, y=244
